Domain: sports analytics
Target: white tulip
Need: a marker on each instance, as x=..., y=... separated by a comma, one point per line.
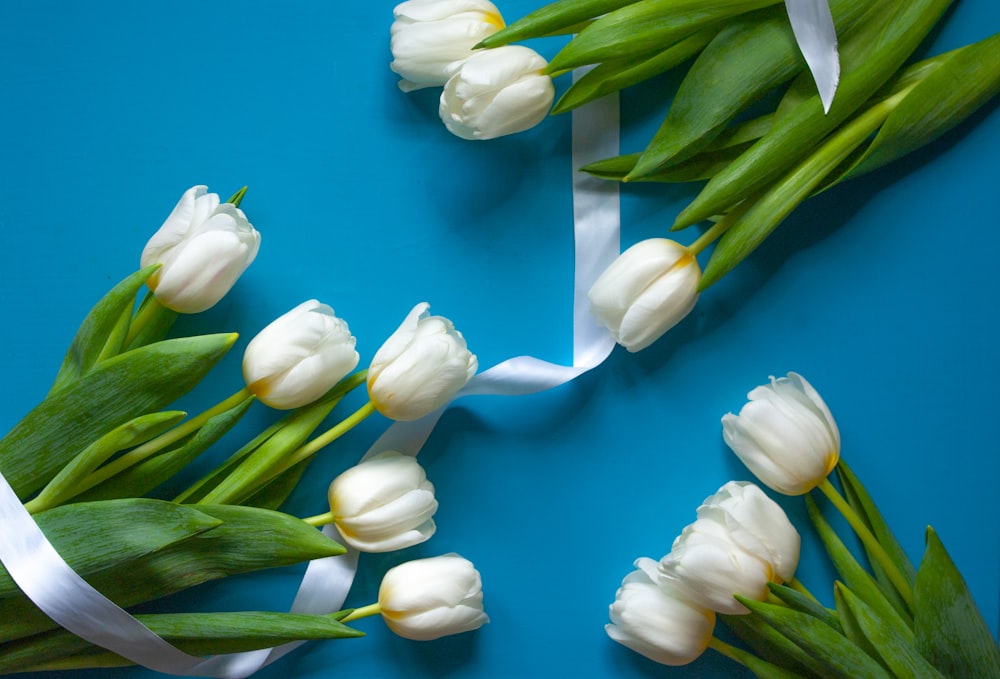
x=785, y=435
x=420, y=367
x=741, y=541
x=431, y=38
x=646, y=291
x=384, y=503
x=430, y=598
x=203, y=246
x=656, y=621
x=299, y=356
x=497, y=92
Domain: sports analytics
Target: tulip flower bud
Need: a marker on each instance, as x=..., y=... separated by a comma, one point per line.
x=646, y=291
x=427, y=599
x=497, y=92
x=741, y=541
x=384, y=503
x=785, y=435
x=420, y=367
x=203, y=246
x=299, y=356
x=431, y=38
x=656, y=621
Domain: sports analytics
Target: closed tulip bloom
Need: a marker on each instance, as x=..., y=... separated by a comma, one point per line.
x=203, y=246
x=656, y=621
x=431, y=598
x=384, y=503
x=420, y=367
x=741, y=541
x=646, y=291
x=785, y=435
x=299, y=357
x=497, y=92
x=431, y=38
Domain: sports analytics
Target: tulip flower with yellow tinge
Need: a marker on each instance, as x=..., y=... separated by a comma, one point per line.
x=299, y=356
x=431, y=38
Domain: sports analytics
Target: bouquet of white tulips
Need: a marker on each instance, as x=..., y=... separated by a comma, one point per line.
x=84, y=471
x=737, y=563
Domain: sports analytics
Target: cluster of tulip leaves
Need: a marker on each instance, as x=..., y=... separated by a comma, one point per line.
x=742, y=56
x=927, y=627
x=75, y=456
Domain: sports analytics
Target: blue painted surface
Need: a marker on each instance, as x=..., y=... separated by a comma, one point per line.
x=882, y=293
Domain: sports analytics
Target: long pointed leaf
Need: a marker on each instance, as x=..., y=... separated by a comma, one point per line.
x=950, y=630
x=553, y=18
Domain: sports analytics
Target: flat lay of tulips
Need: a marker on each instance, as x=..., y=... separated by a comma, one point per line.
x=94, y=462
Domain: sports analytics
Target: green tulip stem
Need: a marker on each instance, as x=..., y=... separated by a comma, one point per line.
x=712, y=234
x=326, y=438
x=797, y=585
x=320, y=519
x=730, y=651
x=870, y=541
x=363, y=612
x=148, y=310
x=165, y=439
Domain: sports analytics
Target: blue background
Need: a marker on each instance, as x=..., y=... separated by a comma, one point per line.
x=882, y=293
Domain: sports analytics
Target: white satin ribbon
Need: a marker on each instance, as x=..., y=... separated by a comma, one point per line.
x=816, y=36
x=65, y=597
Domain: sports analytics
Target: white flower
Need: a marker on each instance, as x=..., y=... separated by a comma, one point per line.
x=203, y=246
x=420, y=367
x=497, y=92
x=656, y=621
x=430, y=598
x=384, y=503
x=785, y=435
x=740, y=542
x=431, y=38
x=299, y=356
x=646, y=291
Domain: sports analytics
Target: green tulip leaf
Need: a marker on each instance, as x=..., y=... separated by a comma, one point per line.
x=151, y=324
x=612, y=76
x=771, y=645
x=148, y=474
x=553, y=19
x=898, y=653
x=801, y=602
x=646, y=27
x=836, y=656
x=102, y=324
x=950, y=630
x=849, y=624
x=855, y=576
x=870, y=55
x=194, y=633
x=247, y=539
x=111, y=393
x=944, y=98
x=276, y=491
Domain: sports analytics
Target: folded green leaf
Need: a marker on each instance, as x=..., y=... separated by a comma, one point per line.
x=552, y=19
x=646, y=27
x=98, y=327
x=849, y=624
x=197, y=634
x=151, y=323
x=855, y=576
x=111, y=393
x=898, y=653
x=132, y=433
x=612, y=76
x=950, y=630
x=835, y=655
x=870, y=56
x=150, y=473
